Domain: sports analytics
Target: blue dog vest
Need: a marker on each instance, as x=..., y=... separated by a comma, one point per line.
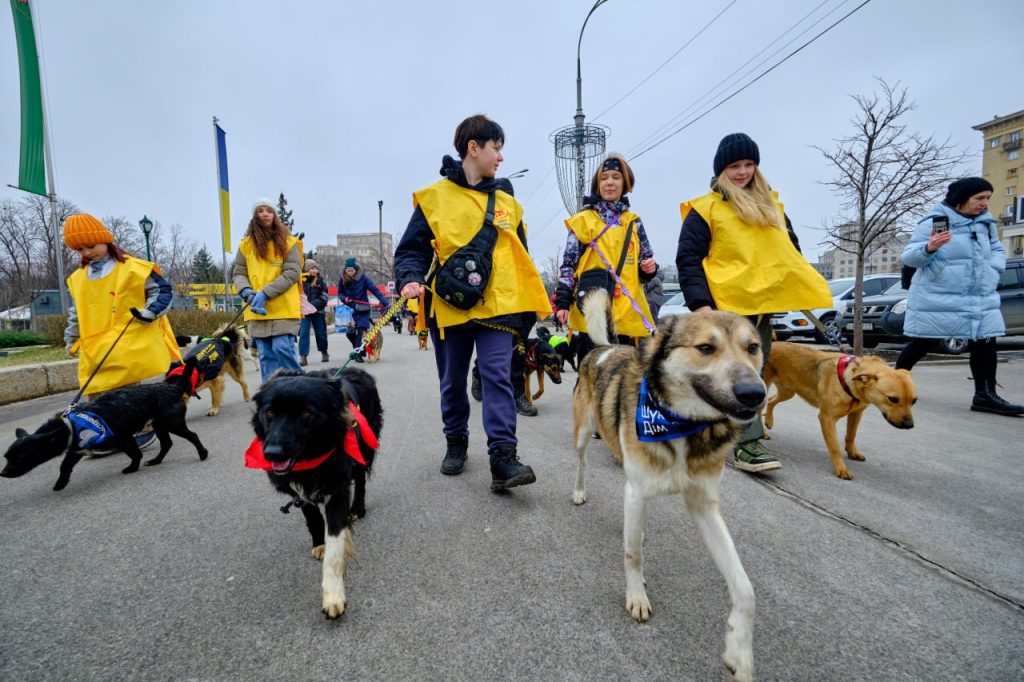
x=88, y=429
x=655, y=422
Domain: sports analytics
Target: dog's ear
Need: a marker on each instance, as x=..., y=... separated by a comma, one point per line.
x=20, y=433
x=866, y=379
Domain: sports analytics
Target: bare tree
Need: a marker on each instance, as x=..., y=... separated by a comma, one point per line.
x=886, y=176
x=549, y=267
x=173, y=251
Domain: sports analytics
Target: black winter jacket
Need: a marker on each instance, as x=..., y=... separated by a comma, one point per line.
x=316, y=292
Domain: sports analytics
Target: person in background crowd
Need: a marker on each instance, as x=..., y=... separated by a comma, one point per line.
x=953, y=292
x=315, y=289
x=353, y=290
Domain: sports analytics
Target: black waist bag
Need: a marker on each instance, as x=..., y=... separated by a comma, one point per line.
x=601, y=278
x=461, y=281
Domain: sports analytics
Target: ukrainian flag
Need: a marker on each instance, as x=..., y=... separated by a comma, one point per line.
x=222, y=184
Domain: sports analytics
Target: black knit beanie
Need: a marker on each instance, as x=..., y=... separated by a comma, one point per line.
x=963, y=189
x=733, y=148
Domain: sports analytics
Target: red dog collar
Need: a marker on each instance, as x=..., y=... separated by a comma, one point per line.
x=841, y=366
x=255, y=459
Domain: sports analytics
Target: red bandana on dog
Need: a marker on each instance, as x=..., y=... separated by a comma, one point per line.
x=254, y=458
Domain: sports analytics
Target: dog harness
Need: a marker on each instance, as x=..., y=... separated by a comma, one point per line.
x=210, y=355
x=655, y=422
x=88, y=430
x=360, y=431
x=841, y=366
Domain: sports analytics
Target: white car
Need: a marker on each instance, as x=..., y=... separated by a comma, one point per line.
x=674, y=305
x=842, y=290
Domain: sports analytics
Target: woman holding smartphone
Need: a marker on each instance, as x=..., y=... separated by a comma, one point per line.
x=959, y=259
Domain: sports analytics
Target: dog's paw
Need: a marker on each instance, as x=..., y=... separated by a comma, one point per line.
x=856, y=455
x=60, y=484
x=845, y=475
x=150, y=462
x=131, y=468
x=766, y=436
x=639, y=607
x=334, y=603
x=740, y=669
x=579, y=497
x=212, y=412
x=318, y=552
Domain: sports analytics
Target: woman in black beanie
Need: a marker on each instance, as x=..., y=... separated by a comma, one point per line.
x=738, y=252
x=953, y=292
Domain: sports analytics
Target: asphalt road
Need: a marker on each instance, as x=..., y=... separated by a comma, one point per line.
x=188, y=571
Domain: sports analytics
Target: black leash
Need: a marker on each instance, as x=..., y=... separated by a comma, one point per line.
x=100, y=364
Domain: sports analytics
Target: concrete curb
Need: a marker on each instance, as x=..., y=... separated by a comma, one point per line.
x=35, y=381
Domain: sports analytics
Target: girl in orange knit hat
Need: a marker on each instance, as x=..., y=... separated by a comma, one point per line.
x=108, y=290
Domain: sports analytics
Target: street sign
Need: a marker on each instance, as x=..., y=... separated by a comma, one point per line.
x=391, y=285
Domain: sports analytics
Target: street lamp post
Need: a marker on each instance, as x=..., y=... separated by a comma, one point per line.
x=380, y=235
x=147, y=228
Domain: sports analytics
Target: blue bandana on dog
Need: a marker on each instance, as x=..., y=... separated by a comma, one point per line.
x=655, y=422
x=89, y=430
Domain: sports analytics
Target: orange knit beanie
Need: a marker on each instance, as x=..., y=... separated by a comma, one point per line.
x=82, y=229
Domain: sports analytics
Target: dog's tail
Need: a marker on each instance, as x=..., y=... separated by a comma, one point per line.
x=597, y=311
x=231, y=335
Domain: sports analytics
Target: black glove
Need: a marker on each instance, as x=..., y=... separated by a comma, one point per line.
x=143, y=315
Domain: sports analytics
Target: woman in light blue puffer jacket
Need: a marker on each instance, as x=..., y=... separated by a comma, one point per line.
x=953, y=293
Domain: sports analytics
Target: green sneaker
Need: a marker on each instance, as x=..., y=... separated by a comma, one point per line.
x=754, y=457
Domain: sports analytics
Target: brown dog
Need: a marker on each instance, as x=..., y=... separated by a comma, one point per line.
x=839, y=386
x=374, y=347
x=421, y=338
x=541, y=359
x=218, y=355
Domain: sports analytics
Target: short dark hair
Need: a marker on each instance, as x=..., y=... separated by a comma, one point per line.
x=479, y=128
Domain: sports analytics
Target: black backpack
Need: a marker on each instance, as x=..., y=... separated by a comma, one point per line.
x=461, y=280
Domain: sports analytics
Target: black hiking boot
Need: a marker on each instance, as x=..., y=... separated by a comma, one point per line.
x=475, y=388
x=455, y=457
x=524, y=407
x=506, y=469
x=988, y=400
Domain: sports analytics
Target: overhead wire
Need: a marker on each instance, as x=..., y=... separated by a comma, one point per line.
x=728, y=81
x=747, y=85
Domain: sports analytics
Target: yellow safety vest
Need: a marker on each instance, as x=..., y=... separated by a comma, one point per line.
x=455, y=214
x=103, y=306
x=587, y=225
x=755, y=269
x=262, y=272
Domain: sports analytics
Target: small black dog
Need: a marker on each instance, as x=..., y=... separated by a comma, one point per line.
x=315, y=435
x=111, y=419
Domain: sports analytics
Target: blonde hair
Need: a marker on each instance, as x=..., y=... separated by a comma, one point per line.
x=753, y=204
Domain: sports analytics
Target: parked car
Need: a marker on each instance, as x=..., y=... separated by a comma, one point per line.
x=676, y=305
x=842, y=290
x=883, y=315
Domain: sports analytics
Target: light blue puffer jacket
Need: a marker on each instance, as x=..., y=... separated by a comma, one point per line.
x=953, y=293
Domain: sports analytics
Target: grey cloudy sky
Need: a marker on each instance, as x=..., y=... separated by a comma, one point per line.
x=339, y=104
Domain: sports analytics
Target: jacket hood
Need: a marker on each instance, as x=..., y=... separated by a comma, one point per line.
x=452, y=169
x=955, y=218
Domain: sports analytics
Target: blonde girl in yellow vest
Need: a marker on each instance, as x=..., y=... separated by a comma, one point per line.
x=106, y=292
x=266, y=275
x=738, y=252
x=606, y=218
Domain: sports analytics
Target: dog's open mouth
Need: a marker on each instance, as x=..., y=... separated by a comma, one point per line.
x=283, y=466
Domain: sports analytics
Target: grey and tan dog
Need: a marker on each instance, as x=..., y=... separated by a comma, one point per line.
x=670, y=414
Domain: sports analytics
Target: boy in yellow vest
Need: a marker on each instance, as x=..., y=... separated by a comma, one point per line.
x=447, y=216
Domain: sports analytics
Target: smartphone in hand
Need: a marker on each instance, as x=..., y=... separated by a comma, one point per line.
x=940, y=224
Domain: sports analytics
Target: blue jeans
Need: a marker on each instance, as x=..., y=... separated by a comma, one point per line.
x=276, y=352
x=494, y=354
x=319, y=324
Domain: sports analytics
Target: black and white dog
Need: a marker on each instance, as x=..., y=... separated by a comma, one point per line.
x=315, y=436
x=112, y=419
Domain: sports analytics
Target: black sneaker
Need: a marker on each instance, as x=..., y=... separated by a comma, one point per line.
x=475, y=388
x=324, y=357
x=455, y=457
x=992, y=403
x=506, y=469
x=524, y=407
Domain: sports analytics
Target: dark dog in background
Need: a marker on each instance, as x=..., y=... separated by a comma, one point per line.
x=566, y=347
x=216, y=355
x=541, y=359
x=111, y=419
x=316, y=436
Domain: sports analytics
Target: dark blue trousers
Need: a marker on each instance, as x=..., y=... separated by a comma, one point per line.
x=494, y=356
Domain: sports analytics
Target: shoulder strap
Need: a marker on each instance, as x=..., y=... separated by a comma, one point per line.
x=625, y=247
x=488, y=238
